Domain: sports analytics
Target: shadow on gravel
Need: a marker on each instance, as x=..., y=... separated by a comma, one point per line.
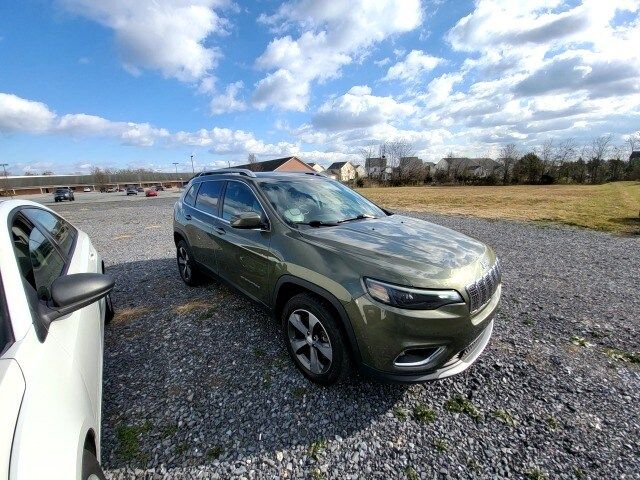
x=629, y=222
x=198, y=374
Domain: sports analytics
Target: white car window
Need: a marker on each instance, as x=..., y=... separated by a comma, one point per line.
x=61, y=231
x=39, y=261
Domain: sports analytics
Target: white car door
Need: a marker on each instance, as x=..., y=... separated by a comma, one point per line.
x=59, y=406
x=80, y=333
x=12, y=387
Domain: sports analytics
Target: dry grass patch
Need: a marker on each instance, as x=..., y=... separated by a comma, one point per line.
x=193, y=306
x=126, y=315
x=613, y=207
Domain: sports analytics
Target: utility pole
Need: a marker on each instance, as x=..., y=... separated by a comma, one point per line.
x=192, y=167
x=176, y=165
x=6, y=180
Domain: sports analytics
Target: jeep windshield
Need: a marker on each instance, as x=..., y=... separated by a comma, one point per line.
x=317, y=201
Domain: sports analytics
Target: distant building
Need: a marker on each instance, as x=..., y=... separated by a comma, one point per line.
x=316, y=166
x=285, y=164
x=343, y=171
x=410, y=165
x=375, y=166
x=477, y=167
x=32, y=184
x=360, y=171
x=429, y=168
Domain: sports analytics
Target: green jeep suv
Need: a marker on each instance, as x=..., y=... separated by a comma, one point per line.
x=351, y=283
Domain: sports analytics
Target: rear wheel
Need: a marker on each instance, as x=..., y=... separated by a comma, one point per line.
x=314, y=340
x=90, y=467
x=186, y=265
x=110, y=312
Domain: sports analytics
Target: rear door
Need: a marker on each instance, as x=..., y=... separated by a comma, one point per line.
x=245, y=259
x=203, y=218
x=12, y=388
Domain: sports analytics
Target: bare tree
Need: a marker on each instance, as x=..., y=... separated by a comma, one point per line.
x=100, y=178
x=368, y=152
x=252, y=160
x=598, y=150
x=508, y=156
x=633, y=141
x=566, y=151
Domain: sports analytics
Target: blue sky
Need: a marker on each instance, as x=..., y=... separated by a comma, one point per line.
x=145, y=83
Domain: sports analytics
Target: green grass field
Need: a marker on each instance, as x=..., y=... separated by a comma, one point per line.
x=612, y=207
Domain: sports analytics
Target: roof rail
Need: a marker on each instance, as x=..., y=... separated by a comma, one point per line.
x=225, y=171
x=317, y=174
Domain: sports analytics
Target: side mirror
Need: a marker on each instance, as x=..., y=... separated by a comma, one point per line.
x=73, y=292
x=247, y=220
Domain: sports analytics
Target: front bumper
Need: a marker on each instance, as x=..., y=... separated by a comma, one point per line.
x=384, y=333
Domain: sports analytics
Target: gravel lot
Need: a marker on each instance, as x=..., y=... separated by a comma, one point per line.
x=197, y=383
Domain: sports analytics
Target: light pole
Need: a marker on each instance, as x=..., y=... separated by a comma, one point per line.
x=192, y=167
x=176, y=165
x=6, y=180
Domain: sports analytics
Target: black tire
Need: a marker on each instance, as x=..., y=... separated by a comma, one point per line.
x=339, y=366
x=191, y=275
x=110, y=312
x=90, y=467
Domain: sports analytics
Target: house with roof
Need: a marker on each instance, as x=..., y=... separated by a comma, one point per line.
x=343, y=171
x=285, y=164
x=477, y=167
x=376, y=167
x=316, y=166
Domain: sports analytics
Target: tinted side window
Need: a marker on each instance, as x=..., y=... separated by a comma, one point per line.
x=39, y=262
x=190, y=196
x=61, y=231
x=208, y=197
x=239, y=198
x=6, y=334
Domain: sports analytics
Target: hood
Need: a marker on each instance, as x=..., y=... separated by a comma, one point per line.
x=411, y=248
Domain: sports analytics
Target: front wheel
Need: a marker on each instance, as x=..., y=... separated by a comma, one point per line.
x=90, y=467
x=314, y=340
x=186, y=265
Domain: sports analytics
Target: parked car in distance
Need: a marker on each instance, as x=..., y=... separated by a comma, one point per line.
x=403, y=299
x=151, y=193
x=54, y=300
x=62, y=194
x=159, y=188
x=111, y=189
x=86, y=189
x=140, y=189
x=132, y=191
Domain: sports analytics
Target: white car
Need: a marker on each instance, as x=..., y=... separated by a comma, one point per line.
x=54, y=300
x=86, y=189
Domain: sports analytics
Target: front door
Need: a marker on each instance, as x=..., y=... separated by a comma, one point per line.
x=245, y=259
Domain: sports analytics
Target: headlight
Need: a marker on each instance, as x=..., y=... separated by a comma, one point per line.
x=411, y=298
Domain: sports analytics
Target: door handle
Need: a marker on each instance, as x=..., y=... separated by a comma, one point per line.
x=219, y=230
x=187, y=216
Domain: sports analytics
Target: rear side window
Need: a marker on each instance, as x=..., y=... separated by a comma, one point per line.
x=39, y=261
x=209, y=196
x=239, y=198
x=6, y=333
x=61, y=231
x=190, y=196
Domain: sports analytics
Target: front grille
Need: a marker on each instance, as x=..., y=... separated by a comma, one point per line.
x=483, y=289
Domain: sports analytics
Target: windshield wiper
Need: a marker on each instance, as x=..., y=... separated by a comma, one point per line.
x=321, y=223
x=359, y=217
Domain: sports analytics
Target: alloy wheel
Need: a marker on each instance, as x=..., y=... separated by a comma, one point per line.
x=309, y=341
x=184, y=263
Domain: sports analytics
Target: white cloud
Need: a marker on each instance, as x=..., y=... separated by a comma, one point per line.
x=411, y=69
x=20, y=115
x=333, y=34
x=358, y=108
x=164, y=35
x=228, y=102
